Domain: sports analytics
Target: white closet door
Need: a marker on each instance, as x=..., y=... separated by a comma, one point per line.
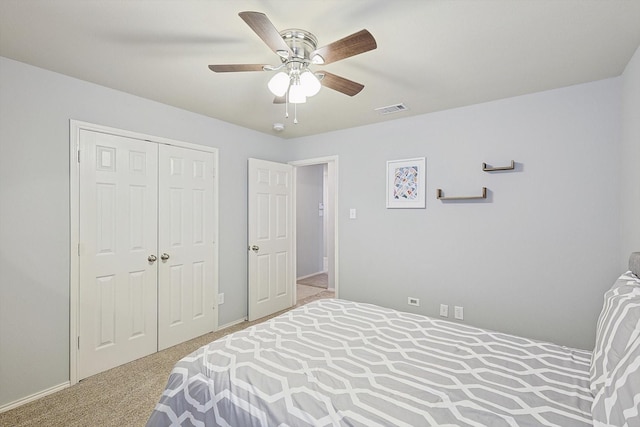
x=271, y=276
x=118, y=235
x=187, y=285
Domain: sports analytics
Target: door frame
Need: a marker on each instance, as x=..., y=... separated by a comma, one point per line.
x=75, y=127
x=332, y=173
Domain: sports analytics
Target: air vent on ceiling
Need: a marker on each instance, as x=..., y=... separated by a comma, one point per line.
x=389, y=109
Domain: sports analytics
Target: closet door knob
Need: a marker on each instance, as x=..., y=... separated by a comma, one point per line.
x=152, y=259
x=164, y=256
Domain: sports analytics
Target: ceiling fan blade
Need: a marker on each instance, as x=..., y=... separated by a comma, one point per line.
x=355, y=44
x=263, y=27
x=229, y=68
x=346, y=86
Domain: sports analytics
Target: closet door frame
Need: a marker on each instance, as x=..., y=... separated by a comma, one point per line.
x=75, y=127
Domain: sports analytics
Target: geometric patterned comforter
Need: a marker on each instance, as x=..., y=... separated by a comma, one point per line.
x=341, y=363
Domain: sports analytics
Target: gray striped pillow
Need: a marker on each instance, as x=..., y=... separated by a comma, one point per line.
x=634, y=263
x=617, y=403
x=617, y=328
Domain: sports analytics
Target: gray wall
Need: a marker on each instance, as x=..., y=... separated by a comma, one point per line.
x=535, y=258
x=309, y=232
x=35, y=108
x=630, y=160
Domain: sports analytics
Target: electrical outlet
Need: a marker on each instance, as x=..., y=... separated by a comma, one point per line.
x=221, y=298
x=444, y=310
x=413, y=301
x=458, y=312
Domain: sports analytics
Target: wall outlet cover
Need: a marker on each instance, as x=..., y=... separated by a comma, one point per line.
x=444, y=310
x=413, y=301
x=458, y=312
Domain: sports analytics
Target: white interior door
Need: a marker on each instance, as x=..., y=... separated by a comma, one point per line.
x=187, y=286
x=118, y=235
x=147, y=260
x=271, y=275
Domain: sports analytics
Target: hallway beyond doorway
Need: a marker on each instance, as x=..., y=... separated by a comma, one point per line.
x=320, y=280
x=312, y=285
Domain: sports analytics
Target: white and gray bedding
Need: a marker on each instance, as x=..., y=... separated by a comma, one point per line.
x=341, y=363
x=615, y=365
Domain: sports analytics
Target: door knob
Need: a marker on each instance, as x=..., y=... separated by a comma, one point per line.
x=255, y=248
x=164, y=256
x=152, y=259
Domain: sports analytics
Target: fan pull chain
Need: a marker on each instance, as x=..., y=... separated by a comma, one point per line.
x=286, y=104
x=286, y=109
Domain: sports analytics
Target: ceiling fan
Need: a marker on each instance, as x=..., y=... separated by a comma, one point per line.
x=297, y=50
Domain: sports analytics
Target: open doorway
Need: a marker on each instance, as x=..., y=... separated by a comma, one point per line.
x=316, y=186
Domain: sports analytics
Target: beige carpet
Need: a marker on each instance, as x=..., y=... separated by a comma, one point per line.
x=123, y=396
x=305, y=291
x=319, y=280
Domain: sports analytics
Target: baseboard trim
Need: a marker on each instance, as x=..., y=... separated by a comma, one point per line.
x=230, y=324
x=309, y=275
x=34, y=396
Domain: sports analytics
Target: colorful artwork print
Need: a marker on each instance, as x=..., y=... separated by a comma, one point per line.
x=405, y=184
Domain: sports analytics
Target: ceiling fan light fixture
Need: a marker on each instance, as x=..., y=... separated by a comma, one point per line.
x=297, y=94
x=279, y=84
x=298, y=49
x=310, y=83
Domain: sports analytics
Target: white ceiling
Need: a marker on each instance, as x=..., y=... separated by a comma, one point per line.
x=432, y=54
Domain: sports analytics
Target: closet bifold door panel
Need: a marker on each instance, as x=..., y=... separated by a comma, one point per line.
x=118, y=234
x=186, y=299
x=147, y=276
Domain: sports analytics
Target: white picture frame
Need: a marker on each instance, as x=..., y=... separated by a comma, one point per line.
x=406, y=183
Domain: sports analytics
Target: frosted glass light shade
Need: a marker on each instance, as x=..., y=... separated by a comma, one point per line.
x=310, y=83
x=296, y=94
x=279, y=84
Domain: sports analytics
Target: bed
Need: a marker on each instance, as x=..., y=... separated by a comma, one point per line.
x=336, y=362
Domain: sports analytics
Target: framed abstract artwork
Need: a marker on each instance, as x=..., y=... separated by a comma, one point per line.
x=406, y=183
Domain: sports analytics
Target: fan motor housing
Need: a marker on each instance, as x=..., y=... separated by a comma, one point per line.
x=301, y=43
